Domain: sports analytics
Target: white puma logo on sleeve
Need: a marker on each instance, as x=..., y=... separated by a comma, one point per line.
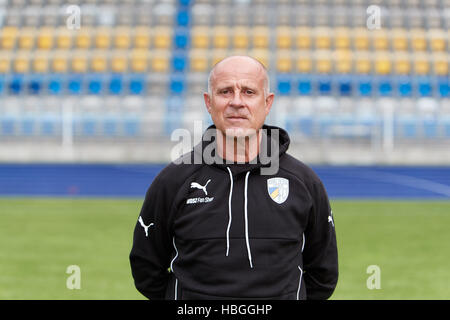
x=141, y=221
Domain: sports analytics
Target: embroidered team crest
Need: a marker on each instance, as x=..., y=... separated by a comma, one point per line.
x=278, y=189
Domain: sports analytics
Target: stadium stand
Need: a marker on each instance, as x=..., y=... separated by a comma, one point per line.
x=334, y=76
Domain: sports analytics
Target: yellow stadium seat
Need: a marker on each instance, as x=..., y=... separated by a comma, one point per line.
x=64, y=38
x=5, y=62
x=99, y=62
x=361, y=40
x=418, y=39
x=199, y=60
x=160, y=61
x=122, y=38
x=323, y=62
x=162, y=38
x=60, y=62
x=304, y=62
x=79, y=62
x=27, y=38
x=261, y=55
x=437, y=39
x=343, y=61
x=284, y=61
x=322, y=38
x=383, y=63
x=342, y=38
x=102, y=38
x=284, y=37
x=45, y=38
x=399, y=39
x=40, y=62
x=402, y=63
x=240, y=37
x=142, y=37
x=440, y=64
x=421, y=63
x=83, y=38
x=220, y=37
x=119, y=62
x=21, y=63
x=380, y=39
x=139, y=60
x=8, y=36
x=200, y=37
x=363, y=63
x=303, y=37
x=260, y=37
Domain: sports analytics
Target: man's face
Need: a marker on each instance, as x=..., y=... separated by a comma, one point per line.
x=237, y=103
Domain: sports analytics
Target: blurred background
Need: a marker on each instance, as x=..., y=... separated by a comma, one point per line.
x=91, y=91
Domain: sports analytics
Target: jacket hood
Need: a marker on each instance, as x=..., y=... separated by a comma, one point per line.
x=274, y=143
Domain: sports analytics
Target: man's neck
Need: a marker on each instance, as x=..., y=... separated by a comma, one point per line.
x=238, y=149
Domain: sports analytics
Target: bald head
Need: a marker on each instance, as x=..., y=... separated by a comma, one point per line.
x=236, y=62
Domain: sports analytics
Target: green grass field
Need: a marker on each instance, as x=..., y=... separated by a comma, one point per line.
x=40, y=238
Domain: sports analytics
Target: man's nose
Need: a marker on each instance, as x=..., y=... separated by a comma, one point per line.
x=236, y=100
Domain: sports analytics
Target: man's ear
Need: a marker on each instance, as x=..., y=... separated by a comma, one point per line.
x=269, y=102
x=207, y=99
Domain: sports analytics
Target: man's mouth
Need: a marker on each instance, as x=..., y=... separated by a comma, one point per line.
x=237, y=118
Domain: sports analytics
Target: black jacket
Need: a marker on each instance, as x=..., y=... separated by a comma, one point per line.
x=226, y=231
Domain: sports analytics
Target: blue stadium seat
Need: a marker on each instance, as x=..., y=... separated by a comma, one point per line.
x=404, y=86
x=27, y=125
x=406, y=127
x=115, y=85
x=16, y=85
x=7, y=124
x=181, y=38
x=74, y=85
x=365, y=87
x=136, y=85
x=444, y=87
x=2, y=84
x=324, y=87
x=131, y=125
x=110, y=125
x=345, y=87
x=48, y=124
x=385, y=86
x=179, y=62
x=182, y=18
x=430, y=128
x=424, y=87
x=88, y=125
x=306, y=126
x=304, y=86
x=55, y=86
x=35, y=85
x=94, y=85
x=444, y=124
x=284, y=85
x=177, y=85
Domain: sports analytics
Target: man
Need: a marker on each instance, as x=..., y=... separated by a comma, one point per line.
x=227, y=229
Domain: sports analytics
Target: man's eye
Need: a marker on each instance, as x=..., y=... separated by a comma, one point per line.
x=249, y=92
x=225, y=91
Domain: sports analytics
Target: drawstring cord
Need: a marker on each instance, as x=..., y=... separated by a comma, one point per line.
x=246, y=222
x=247, y=242
x=229, y=211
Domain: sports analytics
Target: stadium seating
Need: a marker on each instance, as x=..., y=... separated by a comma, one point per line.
x=321, y=56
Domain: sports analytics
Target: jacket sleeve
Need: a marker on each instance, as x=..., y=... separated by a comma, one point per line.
x=320, y=261
x=151, y=252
